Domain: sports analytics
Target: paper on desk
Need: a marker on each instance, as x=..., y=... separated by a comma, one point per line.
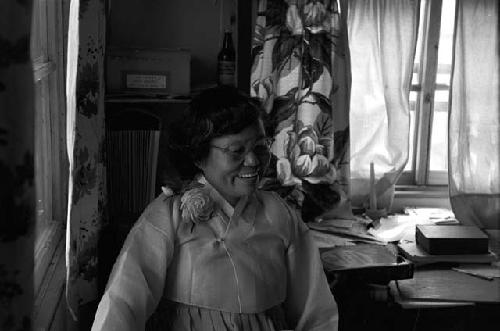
x=359, y=256
x=431, y=213
x=480, y=270
x=329, y=233
x=329, y=240
x=357, y=232
x=402, y=226
x=394, y=228
x=340, y=223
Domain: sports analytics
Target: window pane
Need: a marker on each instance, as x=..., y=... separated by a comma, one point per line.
x=414, y=91
x=439, y=134
x=416, y=77
x=413, y=103
x=445, y=51
x=446, y=32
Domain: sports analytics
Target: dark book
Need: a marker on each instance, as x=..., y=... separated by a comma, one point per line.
x=451, y=239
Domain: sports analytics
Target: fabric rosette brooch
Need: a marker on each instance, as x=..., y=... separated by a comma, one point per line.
x=196, y=205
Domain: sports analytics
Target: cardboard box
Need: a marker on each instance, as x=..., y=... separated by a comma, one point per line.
x=152, y=72
x=451, y=239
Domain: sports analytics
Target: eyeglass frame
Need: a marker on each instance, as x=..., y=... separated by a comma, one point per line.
x=239, y=158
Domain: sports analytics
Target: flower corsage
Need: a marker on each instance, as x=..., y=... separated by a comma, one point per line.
x=196, y=205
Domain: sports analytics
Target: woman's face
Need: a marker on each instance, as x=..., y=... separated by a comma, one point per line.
x=235, y=162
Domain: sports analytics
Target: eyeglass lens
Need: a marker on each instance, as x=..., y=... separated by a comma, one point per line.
x=261, y=148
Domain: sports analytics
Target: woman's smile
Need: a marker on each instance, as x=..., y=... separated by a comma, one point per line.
x=249, y=175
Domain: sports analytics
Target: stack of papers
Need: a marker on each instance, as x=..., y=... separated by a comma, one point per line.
x=437, y=216
x=416, y=254
x=359, y=256
x=342, y=232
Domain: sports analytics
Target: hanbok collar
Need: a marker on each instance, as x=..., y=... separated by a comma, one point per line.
x=245, y=208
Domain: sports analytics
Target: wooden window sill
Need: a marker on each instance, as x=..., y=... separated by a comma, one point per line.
x=420, y=196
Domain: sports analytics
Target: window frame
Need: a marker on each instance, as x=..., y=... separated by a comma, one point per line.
x=421, y=176
x=51, y=162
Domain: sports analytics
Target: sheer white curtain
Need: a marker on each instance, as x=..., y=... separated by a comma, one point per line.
x=474, y=131
x=382, y=38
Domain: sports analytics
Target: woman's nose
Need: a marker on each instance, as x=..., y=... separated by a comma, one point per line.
x=251, y=160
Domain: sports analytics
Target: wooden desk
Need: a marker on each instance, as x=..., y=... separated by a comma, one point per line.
x=446, y=285
x=441, y=298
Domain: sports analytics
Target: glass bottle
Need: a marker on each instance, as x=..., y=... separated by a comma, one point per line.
x=226, y=61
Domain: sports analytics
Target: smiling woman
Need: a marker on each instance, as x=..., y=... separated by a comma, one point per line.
x=218, y=253
x=225, y=137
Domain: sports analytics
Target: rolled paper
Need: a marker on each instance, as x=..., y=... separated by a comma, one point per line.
x=373, y=192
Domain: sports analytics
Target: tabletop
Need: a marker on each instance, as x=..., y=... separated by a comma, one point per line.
x=442, y=284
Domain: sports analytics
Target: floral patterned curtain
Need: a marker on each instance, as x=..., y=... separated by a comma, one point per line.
x=300, y=74
x=17, y=192
x=85, y=135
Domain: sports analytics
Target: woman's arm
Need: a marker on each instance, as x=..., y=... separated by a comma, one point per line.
x=310, y=304
x=136, y=283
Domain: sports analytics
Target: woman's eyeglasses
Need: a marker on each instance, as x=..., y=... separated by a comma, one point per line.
x=261, y=148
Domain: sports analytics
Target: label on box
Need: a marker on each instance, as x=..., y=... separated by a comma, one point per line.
x=148, y=71
x=146, y=81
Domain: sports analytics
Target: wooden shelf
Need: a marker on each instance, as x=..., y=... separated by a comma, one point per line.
x=136, y=99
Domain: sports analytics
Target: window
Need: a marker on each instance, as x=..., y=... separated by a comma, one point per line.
x=47, y=55
x=429, y=93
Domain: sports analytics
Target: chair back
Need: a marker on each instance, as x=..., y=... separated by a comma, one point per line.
x=132, y=142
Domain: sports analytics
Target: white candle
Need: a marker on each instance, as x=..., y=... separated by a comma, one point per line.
x=373, y=192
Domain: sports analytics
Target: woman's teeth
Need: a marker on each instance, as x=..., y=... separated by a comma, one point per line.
x=254, y=174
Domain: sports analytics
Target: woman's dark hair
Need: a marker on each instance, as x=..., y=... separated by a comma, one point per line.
x=213, y=113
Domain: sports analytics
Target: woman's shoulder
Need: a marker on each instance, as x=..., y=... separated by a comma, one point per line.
x=274, y=201
x=281, y=213
x=276, y=208
x=163, y=212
